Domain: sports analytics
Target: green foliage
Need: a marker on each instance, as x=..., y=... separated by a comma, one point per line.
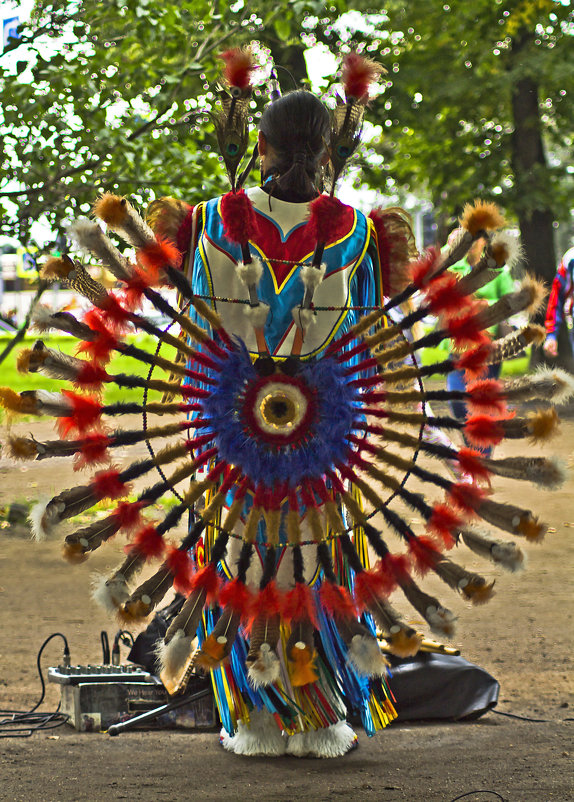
x=119, y=364
x=114, y=96
x=454, y=72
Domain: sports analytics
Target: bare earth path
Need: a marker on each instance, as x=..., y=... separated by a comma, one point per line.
x=523, y=637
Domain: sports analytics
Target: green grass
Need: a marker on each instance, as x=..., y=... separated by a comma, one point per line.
x=10, y=377
x=512, y=367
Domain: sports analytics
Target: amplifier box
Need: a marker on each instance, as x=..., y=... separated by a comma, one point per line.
x=94, y=703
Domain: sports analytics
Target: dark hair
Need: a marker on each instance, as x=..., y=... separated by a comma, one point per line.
x=296, y=126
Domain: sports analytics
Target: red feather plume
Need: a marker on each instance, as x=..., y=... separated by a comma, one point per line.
x=471, y=464
x=329, y=219
x=359, y=73
x=128, y=514
x=239, y=67
x=487, y=395
x=268, y=602
x=94, y=449
x=236, y=595
x=424, y=553
x=423, y=268
x=443, y=521
x=484, y=431
x=148, y=542
x=369, y=586
x=474, y=361
x=86, y=412
x=465, y=496
x=181, y=567
x=336, y=600
x=299, y=603
x=107, y=484
x=238, y=216
x=208, y=580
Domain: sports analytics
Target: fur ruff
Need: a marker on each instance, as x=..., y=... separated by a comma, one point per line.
x=260, y=738
x=312, y=276
x=303, y=317
x=110, y=593
x=44, y=517
x=506, y=249
x=172, y=656
x=257, y=315
x=333, y=741
x=265, y=669
x=251, y=273
x=366, y=656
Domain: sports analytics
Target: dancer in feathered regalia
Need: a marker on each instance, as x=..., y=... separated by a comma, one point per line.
x=301, y=410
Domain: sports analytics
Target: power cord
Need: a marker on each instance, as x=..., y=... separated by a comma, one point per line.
x=24, y=723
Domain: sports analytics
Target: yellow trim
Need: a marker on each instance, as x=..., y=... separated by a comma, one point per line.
x=303, y=258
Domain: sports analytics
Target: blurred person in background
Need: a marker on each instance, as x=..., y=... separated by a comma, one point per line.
x=560, y=303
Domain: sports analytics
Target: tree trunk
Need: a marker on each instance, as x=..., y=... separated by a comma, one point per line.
x=531, y=175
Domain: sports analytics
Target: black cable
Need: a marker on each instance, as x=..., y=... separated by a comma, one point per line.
x=105, y=647
x=24, y=723
x=521, y=718
x=481, y=791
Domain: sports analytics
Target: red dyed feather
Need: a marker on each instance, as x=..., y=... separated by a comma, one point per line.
x=443, y=522
x=369, y=587
x=445, y=297
x=239, y=67
x=180, y=565
x=115, y=312
x=148, y=542
x=329, y=219
x=99, y=350
x=107, y=484
x=158, y=255
x=465, y=496
x=94, y=449
x=299, y=603
x=358, y=75
x=423, y=268
x=424, y=553
x=466, y=329
x=474, y=361
x=208, y=580
x=268, y=602
x=86, y=412
x=238, y=216
x=128, y=514
x=482, y=430
x=471, y=464
x=398, y=565
x=236, y=595
x=336, y=600
x=487, y=395
x=90, y=375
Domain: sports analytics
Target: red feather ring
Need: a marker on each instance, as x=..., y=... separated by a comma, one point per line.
x=238, y=216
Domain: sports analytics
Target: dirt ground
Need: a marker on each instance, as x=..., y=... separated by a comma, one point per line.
x=523, y=638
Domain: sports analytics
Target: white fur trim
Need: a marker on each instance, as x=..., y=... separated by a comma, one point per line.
x=173, y=655
x=260, y=738
x=564, y=381
x=550, y=475
x=265, y=669
x=312, y=276
x=109, y=593
x=43, y=522
x=333, y=741
x=441, y=621
x=303, y=317
x=509, y=556
x=82, y=232
x=512, y=246
x=366, y=657
x=41, y=319
x=257, y=315
x=250, y=274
